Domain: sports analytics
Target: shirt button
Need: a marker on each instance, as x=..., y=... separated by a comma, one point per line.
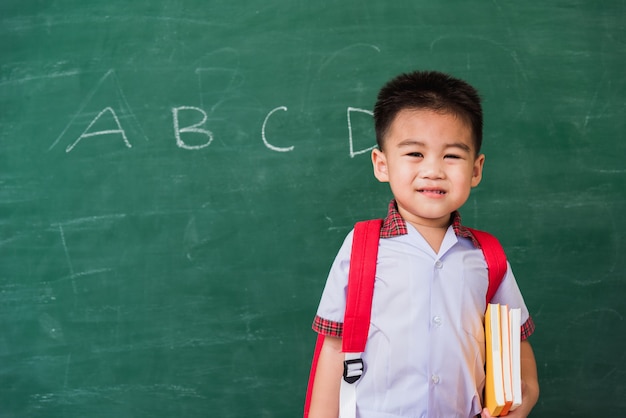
x=438, y=264
x=437, y=320
x=435, y=379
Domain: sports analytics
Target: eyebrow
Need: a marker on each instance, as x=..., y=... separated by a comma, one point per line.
x=413, y=142
x=460, y=145
x=410, y=142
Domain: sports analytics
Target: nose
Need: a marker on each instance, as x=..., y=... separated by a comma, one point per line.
x=431, y=168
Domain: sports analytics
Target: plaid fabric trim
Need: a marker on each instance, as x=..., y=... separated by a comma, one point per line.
x=462, y=231
x=326, y=327
x=528, y=328
x=394, y=225
x=335, y=329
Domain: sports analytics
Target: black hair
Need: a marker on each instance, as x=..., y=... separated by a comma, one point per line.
x=430, y=90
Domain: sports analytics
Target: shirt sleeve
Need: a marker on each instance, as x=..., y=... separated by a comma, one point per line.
x=329, y=318
x=509, y=294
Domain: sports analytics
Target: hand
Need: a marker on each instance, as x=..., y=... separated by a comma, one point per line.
x=518, y=413
x=521, y=411
x=485, y=413
x=530, y=384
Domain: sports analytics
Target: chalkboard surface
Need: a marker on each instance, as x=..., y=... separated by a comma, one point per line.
x=177, y=176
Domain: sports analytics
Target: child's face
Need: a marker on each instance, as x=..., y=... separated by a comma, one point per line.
x=430, y=162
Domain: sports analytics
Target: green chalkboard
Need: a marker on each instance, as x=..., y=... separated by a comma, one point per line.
x=177, y=176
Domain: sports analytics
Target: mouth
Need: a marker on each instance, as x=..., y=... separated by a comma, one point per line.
x=428, y=191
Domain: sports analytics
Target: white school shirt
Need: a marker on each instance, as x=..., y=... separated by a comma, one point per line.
x=425, y=353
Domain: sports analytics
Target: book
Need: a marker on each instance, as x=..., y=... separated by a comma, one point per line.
x=502, y=367
x=507, y=381
x=494, y=385
x=515, y=324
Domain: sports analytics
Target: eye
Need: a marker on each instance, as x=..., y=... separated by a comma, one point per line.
x=415, y=154
x=453, y=156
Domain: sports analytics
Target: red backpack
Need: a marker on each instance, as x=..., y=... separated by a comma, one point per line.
x=361, y=290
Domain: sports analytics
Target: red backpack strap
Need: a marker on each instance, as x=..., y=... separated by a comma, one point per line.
x=356, y=322
x=359, y=299
x=495, y=258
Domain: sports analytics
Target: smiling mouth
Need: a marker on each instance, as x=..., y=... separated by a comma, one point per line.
x=432, y=191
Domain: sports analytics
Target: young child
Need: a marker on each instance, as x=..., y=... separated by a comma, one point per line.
x=425, y=353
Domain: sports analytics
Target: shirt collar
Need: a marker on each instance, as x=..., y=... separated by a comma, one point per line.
x=394, y=225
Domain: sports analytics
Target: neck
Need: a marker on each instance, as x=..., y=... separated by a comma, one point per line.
x=433, y=235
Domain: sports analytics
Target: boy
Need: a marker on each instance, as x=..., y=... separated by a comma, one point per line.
x=425, y=353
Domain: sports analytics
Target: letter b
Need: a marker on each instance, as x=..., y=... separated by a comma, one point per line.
x=196, y=128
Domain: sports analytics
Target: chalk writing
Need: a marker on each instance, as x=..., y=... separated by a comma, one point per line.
x=68, y=259
x=110, y=78
x=267, y=144
x=193, y=128
x=87, y=134
x=354, y=153
x=183, y=135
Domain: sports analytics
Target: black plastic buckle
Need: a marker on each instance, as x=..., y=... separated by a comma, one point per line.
x=352, y=370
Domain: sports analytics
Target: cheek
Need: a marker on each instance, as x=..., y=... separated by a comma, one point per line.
x=400, y=181
x=401, y=175
x=463, y=178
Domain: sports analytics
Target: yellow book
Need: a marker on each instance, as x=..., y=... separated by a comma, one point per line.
x=494, y=387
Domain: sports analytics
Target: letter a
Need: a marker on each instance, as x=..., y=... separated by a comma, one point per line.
x=87, y=134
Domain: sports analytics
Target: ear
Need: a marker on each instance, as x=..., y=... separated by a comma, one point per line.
x=379, y=162
x=477, y=170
